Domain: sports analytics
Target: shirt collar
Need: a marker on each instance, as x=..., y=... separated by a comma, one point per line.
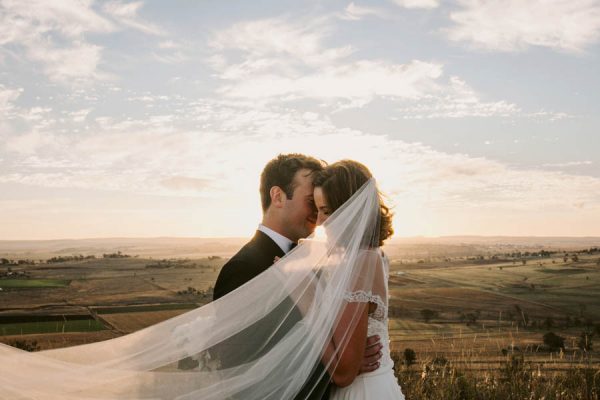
x=284, y=243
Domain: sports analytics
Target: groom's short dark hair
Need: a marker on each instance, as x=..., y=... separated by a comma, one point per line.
x=281, y=170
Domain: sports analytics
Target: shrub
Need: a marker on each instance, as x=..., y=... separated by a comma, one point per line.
x=25, y=345
x=553, y=341
x=429, y=314
x=410, y=357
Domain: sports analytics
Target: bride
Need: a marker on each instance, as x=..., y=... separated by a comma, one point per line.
x=366, y=311
x=334, y=284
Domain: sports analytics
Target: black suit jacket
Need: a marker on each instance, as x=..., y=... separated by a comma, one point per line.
x=253, y=259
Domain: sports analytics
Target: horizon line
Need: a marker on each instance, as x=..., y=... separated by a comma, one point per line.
x=246, y=237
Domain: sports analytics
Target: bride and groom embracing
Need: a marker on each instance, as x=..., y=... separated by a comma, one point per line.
x=297, y=314
x=299, y=193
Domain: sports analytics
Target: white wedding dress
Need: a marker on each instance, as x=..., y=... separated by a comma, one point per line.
x=380, y=384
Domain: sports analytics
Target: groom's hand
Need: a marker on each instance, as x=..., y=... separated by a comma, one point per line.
x=370, y=361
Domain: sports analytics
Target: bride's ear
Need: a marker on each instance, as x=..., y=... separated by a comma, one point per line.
x=277, y=196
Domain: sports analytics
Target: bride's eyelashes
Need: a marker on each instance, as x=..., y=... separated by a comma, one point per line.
x=325, y=211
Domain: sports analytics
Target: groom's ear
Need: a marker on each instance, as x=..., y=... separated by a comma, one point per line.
x=277, y=196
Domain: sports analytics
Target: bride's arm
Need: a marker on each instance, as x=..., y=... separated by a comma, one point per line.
x=344, y=353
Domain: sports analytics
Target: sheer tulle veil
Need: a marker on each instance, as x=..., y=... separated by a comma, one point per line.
x=309, y=283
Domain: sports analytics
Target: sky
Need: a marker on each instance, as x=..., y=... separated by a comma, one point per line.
x=155, y=118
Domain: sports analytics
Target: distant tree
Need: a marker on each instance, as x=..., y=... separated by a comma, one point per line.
x=585, y=341
x=549, y=323
x=524, y=261
x=553, y=341
x=525, y=320
x=428, y=314
x=518, y=309
x=472, y=317
x=510, y=316
x=410, y=357
x=574, y=258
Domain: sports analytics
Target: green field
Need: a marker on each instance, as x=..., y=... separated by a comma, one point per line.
x=33, y=283
x=144, y=308
x=26, y=328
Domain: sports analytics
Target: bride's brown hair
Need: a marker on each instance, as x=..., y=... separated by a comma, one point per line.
x=340, y=180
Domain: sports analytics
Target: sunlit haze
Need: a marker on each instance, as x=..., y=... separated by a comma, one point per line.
x=151, y=118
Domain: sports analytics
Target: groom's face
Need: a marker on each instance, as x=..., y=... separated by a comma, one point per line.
x=299, y=212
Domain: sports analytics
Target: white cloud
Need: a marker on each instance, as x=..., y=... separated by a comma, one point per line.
x=457, y=100
x=80, y=115
x=277, y=60
x=169, y=44
x=127, y=14
x=355, y=12
x=157, y=157
x=272, y=72
x=55, y=34
x=290, y=61
x=514, y=25
x=176, y=57
x=32, y=143
x=202, y=150
x=427, y=4
x=7, y=98
x=24, y=21
x=359, y=80
x=80, y=61
x=276, y=41
x=52, y=33
x=568, y=164
x=549, y=115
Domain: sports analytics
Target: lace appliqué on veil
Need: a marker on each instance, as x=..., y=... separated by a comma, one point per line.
x=361, y=296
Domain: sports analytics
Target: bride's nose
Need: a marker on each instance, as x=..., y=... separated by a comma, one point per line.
x=320, y=218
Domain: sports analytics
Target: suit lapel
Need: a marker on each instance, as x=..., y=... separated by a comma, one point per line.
x=266, y=248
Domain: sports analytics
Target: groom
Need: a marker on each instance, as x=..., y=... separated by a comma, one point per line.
x=289, y=214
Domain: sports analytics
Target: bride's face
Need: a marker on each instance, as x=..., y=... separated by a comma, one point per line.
x=323, y=209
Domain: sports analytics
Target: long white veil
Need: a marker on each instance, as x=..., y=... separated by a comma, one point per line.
x=193, y=356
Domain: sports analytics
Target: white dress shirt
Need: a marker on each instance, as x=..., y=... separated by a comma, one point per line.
x=284, y=243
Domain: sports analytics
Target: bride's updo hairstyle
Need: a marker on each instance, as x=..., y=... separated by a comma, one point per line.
x=340, y=180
